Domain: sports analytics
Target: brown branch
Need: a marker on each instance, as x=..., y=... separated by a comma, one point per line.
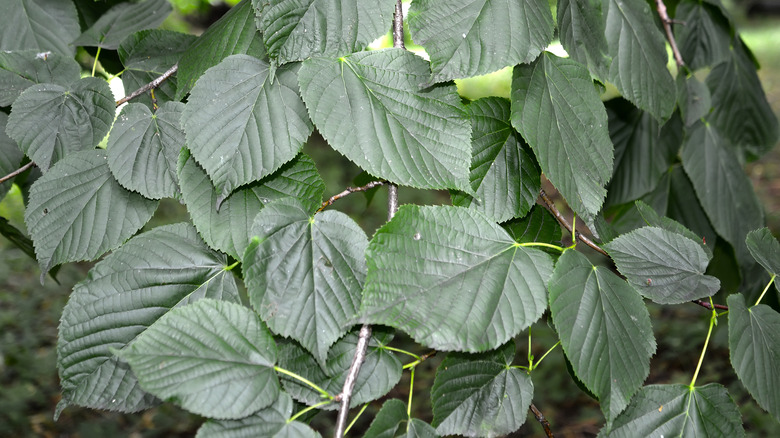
x=706, y=305
x=349, y=383
x=542, y=420
x=349, y=190
x=154, y=84
x=667, y=22
x=17, y=172
x=562, y=220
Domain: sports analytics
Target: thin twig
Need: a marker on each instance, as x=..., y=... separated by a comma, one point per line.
x=667, y=22
x=542, y=420
x=562, y=220
x=16, y=172
x=706, y=305
x=154, y=84
x=349, y=190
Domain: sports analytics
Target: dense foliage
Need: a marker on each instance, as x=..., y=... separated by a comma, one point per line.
x=655, y=176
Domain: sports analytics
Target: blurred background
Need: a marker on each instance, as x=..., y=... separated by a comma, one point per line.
x=30, y=312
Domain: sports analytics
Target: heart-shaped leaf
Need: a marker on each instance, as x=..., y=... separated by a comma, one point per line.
x=270, y=422
x=22, y=69
x=40, y=25
x=122, y=20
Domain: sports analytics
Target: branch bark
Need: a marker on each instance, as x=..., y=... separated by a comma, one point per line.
x=542, y=420
x=17, y=172
x=350, y=190
x=667, y=22
x=562, y=220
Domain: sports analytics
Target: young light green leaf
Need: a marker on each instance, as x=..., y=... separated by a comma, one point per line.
x=270, y=422
x=638, y=50
x=380, y=372
x=765, y=249
x=120, y=298
x=229, y=228
x=294, y=30
x=705, y=39
x=503, y=174
x=22, y=69
x=559, y=113
x=121, y=21
x=144, y=147
x=581, y=31
x=604, y=328
x=725, y=192
x=453, y=279
x=480, y=394
x=231, y=128
x=369, y=106
x=213, y=358
x=680, y=411
x=49, y=121
x=148, y=54
x=305, y=273
x=754, y=345
x=40, y=25
x=77, y=211
x=235, y=33
x=10, y=156
x=693, y=99
x=537, y=226
x=663, y=266
x=475, y=37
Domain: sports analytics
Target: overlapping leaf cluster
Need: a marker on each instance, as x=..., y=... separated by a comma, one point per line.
x=161, y=318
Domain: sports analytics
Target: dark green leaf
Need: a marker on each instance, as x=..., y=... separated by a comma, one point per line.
x=652, y=218
x=537, y=226
x=305, y=273
x=559, y=113
x=705, y=38
x=388, y=420
x=480, y=395
x=639, y=57
x=39, y=25
x=242, y=124
x=10, y=155
x=16, y=237
x=294, y=30
x=754, y=343
x=604, y=328
x=725, y=192
x=765, y=249
x=235, y=33
x=475, y=37
x=693, y=98
x=503, y=174
x=78, y=211
x=663, y=266
x=683, y=206
x=680, y=411
x=144, y=147
x=50, y=121
x=581, y=31
x=20, y=70
x=120, y=298
x=213, y=358
x=228, y=229
x=148, y=54
x=452, y=279
x=270, y=422
x=369, y=106
x=121, y=21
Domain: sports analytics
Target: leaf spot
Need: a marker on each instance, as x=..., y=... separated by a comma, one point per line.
x=417, y=236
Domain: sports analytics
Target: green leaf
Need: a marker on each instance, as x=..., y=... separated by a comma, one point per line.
x=480, y=395
x=269, y=422
x=652, y=218
x=235, y=33
x=121, y=297
x=705, y=39
x=475, y=37
x=559, y=113
x=388, y=420
x=663, y=266
x=369, y=106
x=765, y=249
x=121, y=21
x=146, y=55
x=305, y=273
x=581, y=31
x=604, y=328
x=242, y=124
x=740, y=108
x=228, y=229
x=77, y=211
x=503, y=174
x=725, y=192
x=10, y=155
x=22, y=69
x=143, y=149
x=754, y=344
x=638, y=50
x=39, y=25
x=294, y=30
x=213, y=358
x=681, y=411
x=50, y=121
x=642, y=152
x=381, y=370
x=693, y=98
x=452, y=279
x=537, y=226
x=18, y=238
x=419, y=429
